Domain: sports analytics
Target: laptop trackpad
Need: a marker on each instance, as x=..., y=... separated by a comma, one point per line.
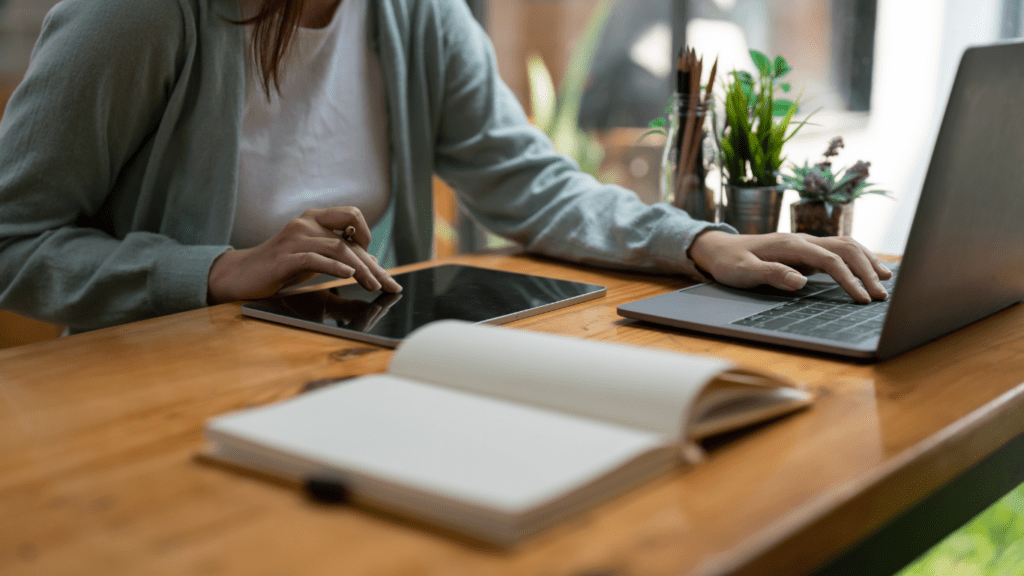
x=713, y=304
x=760, y=295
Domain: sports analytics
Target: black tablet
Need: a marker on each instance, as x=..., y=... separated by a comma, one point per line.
x=445, y=292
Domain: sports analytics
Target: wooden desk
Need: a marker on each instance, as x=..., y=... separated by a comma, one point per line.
x=98, y=434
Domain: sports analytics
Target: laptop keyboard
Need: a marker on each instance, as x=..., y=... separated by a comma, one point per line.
x=832, y=315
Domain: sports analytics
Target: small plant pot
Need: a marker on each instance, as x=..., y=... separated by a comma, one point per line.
x=753, y=210
x=813, y=219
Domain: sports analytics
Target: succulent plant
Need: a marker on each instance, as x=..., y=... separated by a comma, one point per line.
x=819, y=184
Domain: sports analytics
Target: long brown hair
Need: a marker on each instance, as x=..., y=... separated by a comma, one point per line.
x=273, y=28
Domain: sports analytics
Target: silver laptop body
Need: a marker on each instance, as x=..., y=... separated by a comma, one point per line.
x=964, y=258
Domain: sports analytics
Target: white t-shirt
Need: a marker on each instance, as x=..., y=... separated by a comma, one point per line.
x=322, y=140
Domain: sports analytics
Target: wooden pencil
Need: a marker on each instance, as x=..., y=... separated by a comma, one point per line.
x=690, y=139
x=690, y=162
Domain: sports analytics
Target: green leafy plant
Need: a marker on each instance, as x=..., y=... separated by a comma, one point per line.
x=557, y=113
x=752, y=139
x=659, y=125
x=818, y=184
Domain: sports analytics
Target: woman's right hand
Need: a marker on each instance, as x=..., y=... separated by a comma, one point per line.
x=308, y=245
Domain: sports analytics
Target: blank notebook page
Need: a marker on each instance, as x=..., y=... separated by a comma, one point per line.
x=454, y=444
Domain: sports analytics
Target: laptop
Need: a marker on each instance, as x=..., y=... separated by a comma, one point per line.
x=964, y=259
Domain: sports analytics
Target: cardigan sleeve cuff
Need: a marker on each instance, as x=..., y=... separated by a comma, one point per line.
x=180, y=278
x=671, y=242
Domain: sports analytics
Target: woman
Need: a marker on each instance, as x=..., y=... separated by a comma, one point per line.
x=160, y=156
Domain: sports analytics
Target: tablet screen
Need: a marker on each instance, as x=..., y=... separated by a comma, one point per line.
x=450, y=291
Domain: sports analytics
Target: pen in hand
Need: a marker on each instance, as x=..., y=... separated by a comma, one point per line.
x=385, y=281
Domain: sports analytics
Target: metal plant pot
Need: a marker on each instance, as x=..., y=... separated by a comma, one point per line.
x=753, y=210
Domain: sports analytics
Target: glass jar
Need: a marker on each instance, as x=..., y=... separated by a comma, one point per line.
x=691, y=165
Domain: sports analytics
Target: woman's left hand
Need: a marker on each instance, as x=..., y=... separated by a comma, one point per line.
x=746, y=261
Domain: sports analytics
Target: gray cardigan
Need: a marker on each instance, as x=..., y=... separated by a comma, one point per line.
x=119, y=158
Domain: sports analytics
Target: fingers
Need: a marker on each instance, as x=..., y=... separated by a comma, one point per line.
x=355, y=242
x=339, y=218
x=780, y=276
x=883, y=272
x=305, y=261
x=364, y=267
x=861, y=262
x=317, y=231
x=744, y=269
x=745, y=261
x=813, y=255
x=382, y=279
x=306, y=246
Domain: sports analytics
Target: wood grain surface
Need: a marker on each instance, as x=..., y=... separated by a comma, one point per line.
x=99, y=434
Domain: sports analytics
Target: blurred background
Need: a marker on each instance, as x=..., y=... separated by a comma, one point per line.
x=878, y=71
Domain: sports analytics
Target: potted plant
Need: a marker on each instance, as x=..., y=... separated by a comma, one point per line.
x=825, y=207
x=757, y=125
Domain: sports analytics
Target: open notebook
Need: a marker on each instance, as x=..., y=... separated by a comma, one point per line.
x=497, y=433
